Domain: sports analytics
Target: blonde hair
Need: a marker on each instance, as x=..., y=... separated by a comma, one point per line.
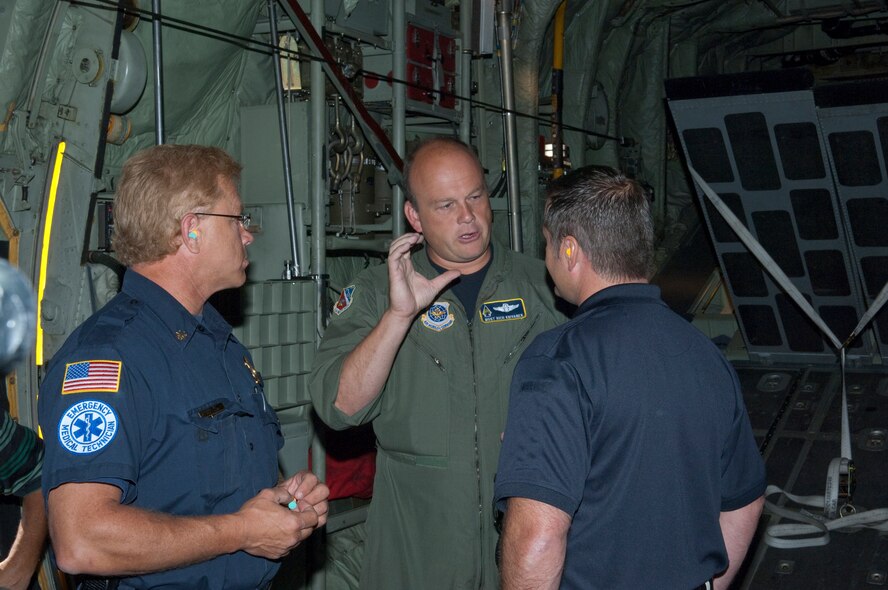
x=158, y=187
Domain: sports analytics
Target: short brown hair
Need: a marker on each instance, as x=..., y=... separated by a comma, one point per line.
x=158, y=187
x=610, y=217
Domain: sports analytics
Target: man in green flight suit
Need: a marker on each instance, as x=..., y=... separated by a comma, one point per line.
x=424, y=348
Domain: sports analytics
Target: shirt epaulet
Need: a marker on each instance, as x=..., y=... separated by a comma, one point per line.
x=110, y=321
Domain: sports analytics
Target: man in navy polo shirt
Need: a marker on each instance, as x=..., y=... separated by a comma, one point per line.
x=161, y=450
x=628, y=459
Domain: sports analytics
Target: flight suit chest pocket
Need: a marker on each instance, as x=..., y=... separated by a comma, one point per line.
x=416, y=417
x=217, y=447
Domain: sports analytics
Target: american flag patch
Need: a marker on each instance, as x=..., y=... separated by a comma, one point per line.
x=91, y=376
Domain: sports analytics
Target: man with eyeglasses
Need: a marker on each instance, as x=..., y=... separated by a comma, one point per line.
x=161, y=449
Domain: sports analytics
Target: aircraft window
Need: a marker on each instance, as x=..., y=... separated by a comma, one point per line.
x=881, y=322
x=854, y=153
x=875, y=274
x=799, y=149
x=882, y=125
x=745, y=274
x=776, y=235
x=708, y=154
x=867, y=218
x=814, y=214
x=720, y=228
x=801, y=334
x=829, y=277
x=760, y=324
x=751, y=145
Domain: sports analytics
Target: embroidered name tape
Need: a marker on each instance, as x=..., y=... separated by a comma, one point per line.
x=92, y=376
x=502, y=311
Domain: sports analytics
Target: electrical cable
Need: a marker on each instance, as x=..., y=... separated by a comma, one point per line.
x=250, y=44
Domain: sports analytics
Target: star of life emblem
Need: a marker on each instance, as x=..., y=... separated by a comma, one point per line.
x=438, y=317
x=87, y=427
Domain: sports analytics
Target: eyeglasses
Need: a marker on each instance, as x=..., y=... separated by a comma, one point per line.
x=245, y=219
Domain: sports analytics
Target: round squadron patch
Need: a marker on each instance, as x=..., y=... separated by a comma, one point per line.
x=87, y=427
x=438, y=317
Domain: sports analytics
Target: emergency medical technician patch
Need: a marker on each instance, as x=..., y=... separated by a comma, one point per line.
x=502, y=311
x=438, y=316
x=87, y=427
x=85, y=376
x=345, y=300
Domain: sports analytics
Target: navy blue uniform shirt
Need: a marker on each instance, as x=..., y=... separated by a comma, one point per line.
x=165, y=406
x=632, y=422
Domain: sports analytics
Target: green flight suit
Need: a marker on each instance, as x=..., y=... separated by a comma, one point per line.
x=437, y=421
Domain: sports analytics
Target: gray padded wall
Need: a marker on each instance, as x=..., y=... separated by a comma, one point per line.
x=763, y=154
x=857, y=138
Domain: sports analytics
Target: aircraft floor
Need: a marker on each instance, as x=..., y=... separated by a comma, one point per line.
x=796, y=416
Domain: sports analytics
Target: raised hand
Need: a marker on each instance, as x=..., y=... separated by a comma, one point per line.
x=409, y=291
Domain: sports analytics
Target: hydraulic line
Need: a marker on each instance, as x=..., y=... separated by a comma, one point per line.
x=558, y=92
x=284, y=136
x=504, y=28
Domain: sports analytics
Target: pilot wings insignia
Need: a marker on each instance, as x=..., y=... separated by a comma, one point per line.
x=503, y=310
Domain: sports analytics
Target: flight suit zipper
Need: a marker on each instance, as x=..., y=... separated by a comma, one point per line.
x=477, y=447
x=483, y=295
x=428, y=352
x=521, y=340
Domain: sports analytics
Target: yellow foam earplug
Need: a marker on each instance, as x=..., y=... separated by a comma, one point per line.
x=568, y=251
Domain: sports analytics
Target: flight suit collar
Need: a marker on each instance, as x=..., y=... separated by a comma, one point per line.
x=176, y=320
x=500, y=266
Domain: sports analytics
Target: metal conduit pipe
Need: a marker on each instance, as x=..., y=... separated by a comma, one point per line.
x=399, y=106
x=465, y=70
x=504, y=30
x=301, y=237
x=157, y=47
x=317, y=87
x=285, y=139
x=318, y=132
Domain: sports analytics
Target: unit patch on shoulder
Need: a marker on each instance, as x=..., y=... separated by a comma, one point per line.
x=438, y=317
x=502, y=311
x=92, y=376
x=345, y=300
x=87, y=427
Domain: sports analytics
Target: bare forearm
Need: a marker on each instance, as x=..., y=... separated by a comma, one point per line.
x=27, y=548
x=534, y=544
x=93, y=533
x=533, y=564
x=738, y=527
x=133, y=541
x=367, y=367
